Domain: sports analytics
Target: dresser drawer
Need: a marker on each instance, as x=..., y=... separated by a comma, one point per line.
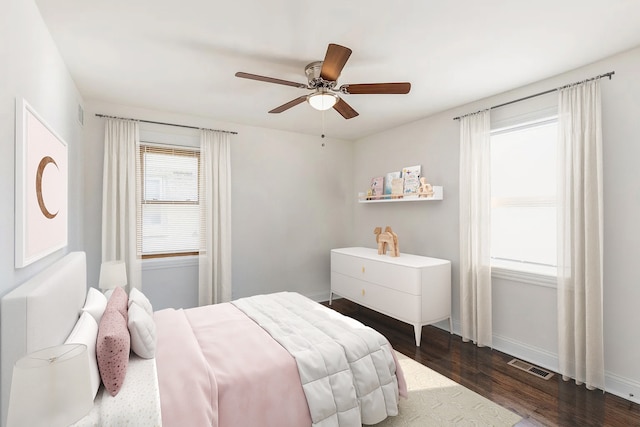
x=400, y=305
x=396, y=277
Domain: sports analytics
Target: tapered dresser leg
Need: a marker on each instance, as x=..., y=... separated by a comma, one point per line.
x=418, y=332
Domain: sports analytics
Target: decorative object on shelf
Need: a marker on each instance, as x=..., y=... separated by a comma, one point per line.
x=425, y=189
x=397, y=186
x=388, y=182
x=385, y=240
x=51, y=387
x=438, y=195
x=377, y=187
x=411, y=175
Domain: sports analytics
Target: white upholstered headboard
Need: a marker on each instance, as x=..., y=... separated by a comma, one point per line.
x=40, y=313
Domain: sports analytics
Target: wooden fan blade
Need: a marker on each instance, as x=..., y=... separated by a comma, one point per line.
x=345, y=109
x=334, y=61
x=292, y=103
x=270, y=80
x=375, y=88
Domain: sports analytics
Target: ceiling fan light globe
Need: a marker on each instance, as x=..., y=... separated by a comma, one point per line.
x=322, y=100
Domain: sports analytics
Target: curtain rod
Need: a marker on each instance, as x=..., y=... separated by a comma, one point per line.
x=167, y=124
x=609, y=74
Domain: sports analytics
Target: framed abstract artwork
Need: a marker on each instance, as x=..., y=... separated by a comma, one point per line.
x=41, y=196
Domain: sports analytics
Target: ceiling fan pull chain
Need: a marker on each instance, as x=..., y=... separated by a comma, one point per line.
x=322, y=135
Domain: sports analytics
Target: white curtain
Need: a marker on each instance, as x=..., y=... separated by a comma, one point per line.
x=120, y=196
x=215, y=203
x=580, y=314
x=475, y=228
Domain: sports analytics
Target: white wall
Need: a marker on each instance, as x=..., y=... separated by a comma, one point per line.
x=290, y=205
x=33, y=69
x=524, y=315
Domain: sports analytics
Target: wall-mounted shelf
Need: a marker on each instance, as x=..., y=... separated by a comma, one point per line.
x=438, y=194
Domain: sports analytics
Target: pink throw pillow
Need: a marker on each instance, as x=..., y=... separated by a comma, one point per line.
x=112, y=350
x=119, y=301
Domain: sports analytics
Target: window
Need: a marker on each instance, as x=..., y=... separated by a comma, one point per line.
x=169, y=221
x=523, y=197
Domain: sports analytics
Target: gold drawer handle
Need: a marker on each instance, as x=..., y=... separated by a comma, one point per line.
x=363, y=268
x=363, y=292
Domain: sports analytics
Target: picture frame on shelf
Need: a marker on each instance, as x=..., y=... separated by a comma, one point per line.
x=377, y=187
x=397, y=188
x=411, y=177
x=388, y=181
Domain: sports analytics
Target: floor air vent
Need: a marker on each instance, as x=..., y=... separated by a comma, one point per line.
x=533, y=370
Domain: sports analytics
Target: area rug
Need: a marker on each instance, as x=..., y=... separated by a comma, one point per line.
x=435, y=400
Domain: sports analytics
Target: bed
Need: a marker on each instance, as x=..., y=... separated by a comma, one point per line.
x=278, y=359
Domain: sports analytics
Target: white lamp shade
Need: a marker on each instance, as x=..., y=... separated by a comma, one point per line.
x=322, y=100
x=51, y=387
x=113, y=274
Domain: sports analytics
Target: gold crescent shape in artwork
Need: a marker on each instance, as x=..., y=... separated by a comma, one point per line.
x=43, y=164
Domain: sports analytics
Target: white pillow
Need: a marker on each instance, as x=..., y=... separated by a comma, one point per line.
x=95, y=304
x=142, y=329
x=86, y=332
x=136, y=296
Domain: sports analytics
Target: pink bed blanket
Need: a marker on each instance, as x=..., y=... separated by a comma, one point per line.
x=217, y=367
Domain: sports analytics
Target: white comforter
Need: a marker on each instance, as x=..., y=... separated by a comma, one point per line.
x=347, y=370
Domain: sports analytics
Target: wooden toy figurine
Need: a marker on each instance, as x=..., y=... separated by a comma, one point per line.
x=425, y=189
x=387, y=239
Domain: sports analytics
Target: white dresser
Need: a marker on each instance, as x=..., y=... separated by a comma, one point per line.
x=410, y=288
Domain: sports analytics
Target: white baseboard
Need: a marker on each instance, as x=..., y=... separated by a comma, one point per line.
x=535, y=355
x=614, y=384
x=623, y=387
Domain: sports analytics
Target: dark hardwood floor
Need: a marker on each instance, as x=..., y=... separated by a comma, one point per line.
x=539, y=402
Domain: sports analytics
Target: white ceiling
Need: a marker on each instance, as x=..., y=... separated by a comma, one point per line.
x=181, y=56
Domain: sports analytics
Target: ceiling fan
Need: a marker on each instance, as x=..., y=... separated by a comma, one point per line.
x=322, y=78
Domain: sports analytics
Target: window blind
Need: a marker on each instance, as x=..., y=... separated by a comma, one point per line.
x=523, y=190
x=169, y=217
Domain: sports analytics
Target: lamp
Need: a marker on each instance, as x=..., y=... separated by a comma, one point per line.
x=322, y=100
x=51, y=387
x=112, y=275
